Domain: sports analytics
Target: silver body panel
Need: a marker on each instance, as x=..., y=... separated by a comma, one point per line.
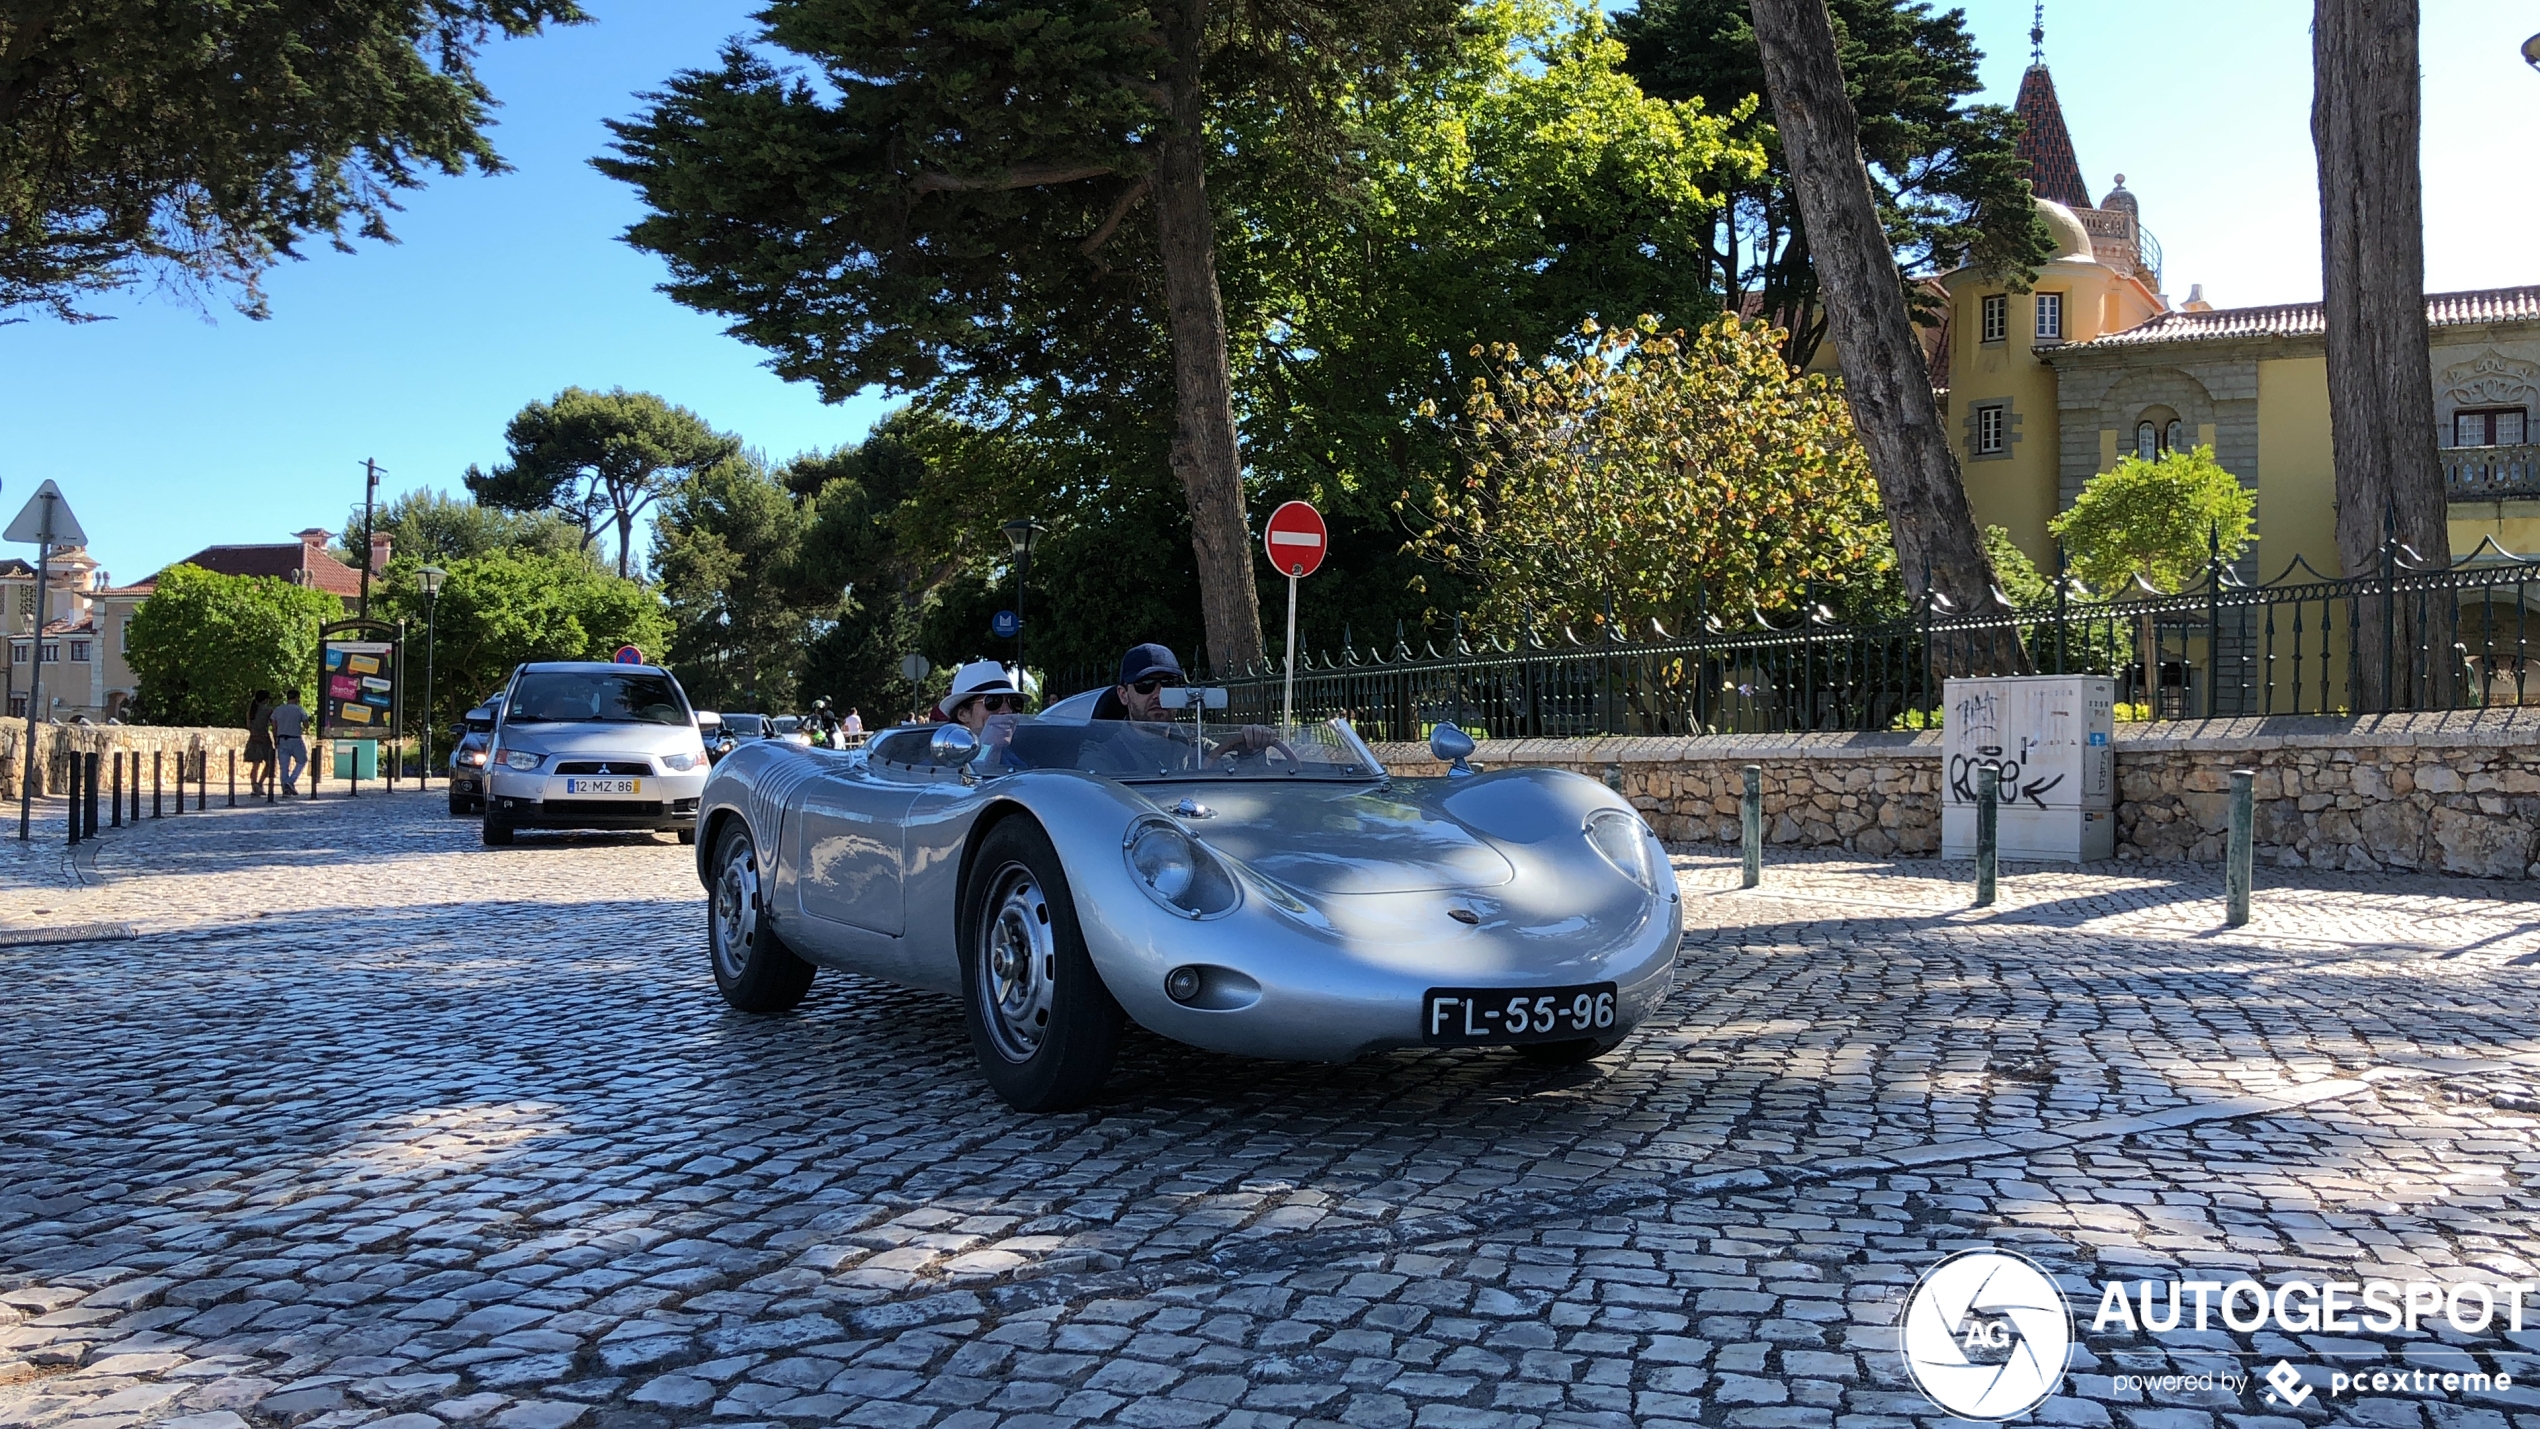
x=1350, y=889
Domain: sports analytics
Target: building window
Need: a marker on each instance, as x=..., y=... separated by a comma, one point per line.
x=17, y=652
x=2147, y=441
x=1989, y=430
x=2050, y=317
x=79, y=652
x=26, y=599
x=2493, y=427
x=2174, y=436
x=52, y=652
x=123, y=636
x=1997, y=317
x=17, y=707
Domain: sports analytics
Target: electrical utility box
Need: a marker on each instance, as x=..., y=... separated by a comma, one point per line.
x=2054, y=738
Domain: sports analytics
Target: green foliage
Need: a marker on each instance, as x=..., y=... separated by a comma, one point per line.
x=1950, y=185
x=726, y=552
x=594, y=456
x=207, y=141
x=432, y=527
x=499, y=609
x=1669, y=473
x=2161, y=520
x=203, y=643
x=2014, y=574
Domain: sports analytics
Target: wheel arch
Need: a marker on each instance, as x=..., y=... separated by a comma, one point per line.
x=710, y=833
x=989, y=819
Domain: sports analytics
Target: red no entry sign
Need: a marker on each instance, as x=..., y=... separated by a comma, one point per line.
x=1296, y=539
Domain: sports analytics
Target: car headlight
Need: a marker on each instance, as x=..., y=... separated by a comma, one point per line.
x=679, y=761
x=1177, y=872
x=1624, y=841
x=522, y=759
x=475, y=757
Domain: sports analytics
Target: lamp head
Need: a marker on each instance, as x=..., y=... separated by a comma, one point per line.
x=1021, y=533
x=431, y=577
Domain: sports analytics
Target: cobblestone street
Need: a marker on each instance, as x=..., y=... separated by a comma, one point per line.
x=367, y=1124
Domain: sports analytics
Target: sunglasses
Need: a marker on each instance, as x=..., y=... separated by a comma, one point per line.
x=1153, y=683
x=997, y=704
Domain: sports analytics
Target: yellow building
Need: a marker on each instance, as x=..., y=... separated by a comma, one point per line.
x=2047, y=388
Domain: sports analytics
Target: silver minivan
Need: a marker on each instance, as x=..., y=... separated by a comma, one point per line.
x=587, y=745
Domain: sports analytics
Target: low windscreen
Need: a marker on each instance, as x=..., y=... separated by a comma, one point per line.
x=1131, y=750
x=596, y=697
x=744, y=726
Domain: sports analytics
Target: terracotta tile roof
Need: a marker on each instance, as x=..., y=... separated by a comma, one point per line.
x=324, y=572
x=2309, y=319
x=2046, y=145
x=12, y=566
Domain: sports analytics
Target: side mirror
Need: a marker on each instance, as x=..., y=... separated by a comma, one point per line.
x=1182, y=697
x=952, y=744
x=1451, y=746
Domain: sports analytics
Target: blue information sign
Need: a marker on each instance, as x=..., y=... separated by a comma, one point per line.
x=1005, y=623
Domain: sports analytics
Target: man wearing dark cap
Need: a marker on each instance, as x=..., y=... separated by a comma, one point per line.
x=1144, y=671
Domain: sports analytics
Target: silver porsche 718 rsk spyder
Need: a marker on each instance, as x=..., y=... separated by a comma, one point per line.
x=1270, y=893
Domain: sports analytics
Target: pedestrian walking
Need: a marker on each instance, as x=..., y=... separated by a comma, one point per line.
x=259, y=741
x=291, y=751
x=855, y=728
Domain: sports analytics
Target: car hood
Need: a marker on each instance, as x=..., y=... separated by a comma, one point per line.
x=603, y=738
x=1341, y=838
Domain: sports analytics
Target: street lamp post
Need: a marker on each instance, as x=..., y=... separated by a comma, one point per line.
x=431, y=577
x=1021, y=533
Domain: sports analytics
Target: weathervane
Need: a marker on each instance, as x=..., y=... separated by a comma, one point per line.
x=2037, y=35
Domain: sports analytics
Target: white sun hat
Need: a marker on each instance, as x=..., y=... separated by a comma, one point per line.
x=979, y=677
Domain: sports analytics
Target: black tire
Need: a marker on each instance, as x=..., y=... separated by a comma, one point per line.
x=753, y=968
x=1044, y=1026
x=460, y=807
x=1568, y=1054
x=496, y=833
x=688, y=835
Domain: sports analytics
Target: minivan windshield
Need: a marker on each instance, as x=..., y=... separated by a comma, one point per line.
x=596, y=697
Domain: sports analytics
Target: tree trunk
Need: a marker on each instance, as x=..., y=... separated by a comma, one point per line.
x=625, y=539
x=1205, y=454
x=1885, y=378
x=2364, y=123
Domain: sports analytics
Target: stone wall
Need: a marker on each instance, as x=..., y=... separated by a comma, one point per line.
x=54, y=742
x=2447, y=793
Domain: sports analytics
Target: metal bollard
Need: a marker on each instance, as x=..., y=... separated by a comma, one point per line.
x=233, y=779
x=88, y=797
x=71, y=813
x=158, y=771
x=202, y=780
x=1988, y=830
x=136, y=786
x=2240, y=851
x=1750, y=825
x=116, y=792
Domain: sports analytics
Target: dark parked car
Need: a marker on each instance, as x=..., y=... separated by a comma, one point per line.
x=737, y=730
x=468, y=743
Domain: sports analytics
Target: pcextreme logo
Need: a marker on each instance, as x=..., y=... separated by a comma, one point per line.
x=1987, y=1334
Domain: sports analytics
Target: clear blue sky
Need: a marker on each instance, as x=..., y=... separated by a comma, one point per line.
x=170, y=432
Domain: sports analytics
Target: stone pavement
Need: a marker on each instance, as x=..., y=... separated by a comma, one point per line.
x=371, y=1125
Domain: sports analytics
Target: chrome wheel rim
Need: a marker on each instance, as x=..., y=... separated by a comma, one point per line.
x=1018, y=964
x=735, y=917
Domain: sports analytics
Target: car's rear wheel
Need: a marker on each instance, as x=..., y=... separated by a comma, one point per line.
x=753, y=968
x=461, y=806
x=1044, y=1025
x=1568, y=1054
x=496, y=833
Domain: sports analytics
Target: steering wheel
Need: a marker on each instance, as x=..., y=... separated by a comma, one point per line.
x=1228, y=754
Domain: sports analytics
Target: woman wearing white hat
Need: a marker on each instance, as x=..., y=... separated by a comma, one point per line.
x=983, y=699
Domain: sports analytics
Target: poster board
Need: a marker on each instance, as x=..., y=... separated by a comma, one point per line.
x=357, y=689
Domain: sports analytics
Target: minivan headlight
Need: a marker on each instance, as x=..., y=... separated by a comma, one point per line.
x=522, y=759
x=1177, y=872
x=679, y=761
x=1624, y=841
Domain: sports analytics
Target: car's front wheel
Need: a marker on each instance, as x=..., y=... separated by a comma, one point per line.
x=753, y=968
x=1044, y=1025
x=496, y=833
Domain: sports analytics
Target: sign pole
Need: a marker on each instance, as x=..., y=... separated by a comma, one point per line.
x=1287, y=701
x=35, y=663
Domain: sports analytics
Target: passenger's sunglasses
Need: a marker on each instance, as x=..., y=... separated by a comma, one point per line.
x=1153, y=683
x=998, y=704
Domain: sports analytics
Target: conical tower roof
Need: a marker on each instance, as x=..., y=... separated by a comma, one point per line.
x=2046, y=144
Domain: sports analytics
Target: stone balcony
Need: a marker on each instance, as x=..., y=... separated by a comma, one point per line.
x=2501, y=473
